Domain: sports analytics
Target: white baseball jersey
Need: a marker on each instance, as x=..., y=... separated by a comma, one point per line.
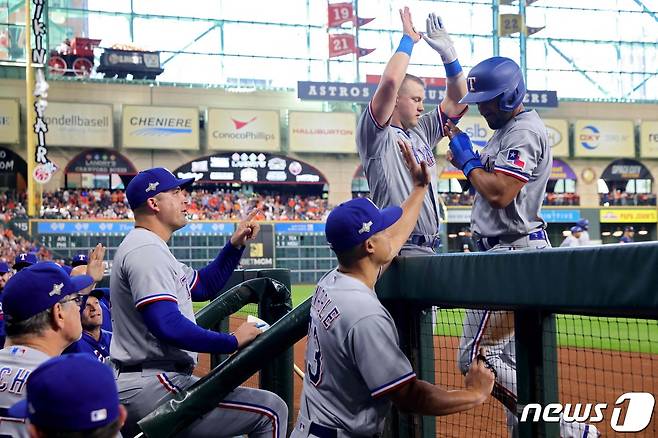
x=145, y=271
x=353, y=359
x=16, y=364
x=519, y=149
x=570, y=241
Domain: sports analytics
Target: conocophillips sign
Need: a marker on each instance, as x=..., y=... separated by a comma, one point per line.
x=160, y=127
x=253, y=130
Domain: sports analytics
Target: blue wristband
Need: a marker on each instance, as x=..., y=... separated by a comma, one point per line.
x=453, y=69
x=406, y=45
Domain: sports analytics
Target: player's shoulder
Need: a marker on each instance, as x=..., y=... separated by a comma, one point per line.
x=142, y=244
x=353, y=298
x=528, y=121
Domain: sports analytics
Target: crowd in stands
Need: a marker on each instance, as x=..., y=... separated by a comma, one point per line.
x=11, y=245
x=551, y=198
x=457, y=198
x=12, y=205
x=618, y=197
x=218, y=204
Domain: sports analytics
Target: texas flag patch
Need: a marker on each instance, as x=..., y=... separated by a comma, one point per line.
x=514, y=158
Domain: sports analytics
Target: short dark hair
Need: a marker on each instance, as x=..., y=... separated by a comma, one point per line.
x=33, y=325
x=350, y=256
x=108, y=431
x=412, y=78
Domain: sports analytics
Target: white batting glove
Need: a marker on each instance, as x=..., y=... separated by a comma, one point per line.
x=438, y=39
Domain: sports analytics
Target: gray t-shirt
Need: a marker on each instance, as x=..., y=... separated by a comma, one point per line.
x=519, y=149
x=145, y=271
x=16, y=364
x=388, y=177
x=353, y=357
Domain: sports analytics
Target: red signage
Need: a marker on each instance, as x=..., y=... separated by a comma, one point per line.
x=429, y=82
x=341, y=44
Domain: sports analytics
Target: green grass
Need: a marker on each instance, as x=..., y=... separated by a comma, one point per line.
x=299, y=293
x=616, y=334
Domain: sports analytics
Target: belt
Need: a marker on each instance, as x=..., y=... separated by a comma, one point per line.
x=320, y=431
x=486, y=243
x=425, y=240
x=179, y=367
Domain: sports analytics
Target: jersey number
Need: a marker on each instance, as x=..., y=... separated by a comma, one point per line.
x=315, y=376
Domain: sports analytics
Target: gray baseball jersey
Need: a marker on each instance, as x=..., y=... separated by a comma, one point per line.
x=388, y=177
x=519, y=149
x=16, y=364
x=570, y=241
x=584, y=238
x=145, y=271
x=353, y=358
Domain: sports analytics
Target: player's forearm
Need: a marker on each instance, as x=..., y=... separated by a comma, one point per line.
x=455, y=90
x=383, y=102
x=213, y=277
x=492, y=187
x=426, y=399
x=399, y=232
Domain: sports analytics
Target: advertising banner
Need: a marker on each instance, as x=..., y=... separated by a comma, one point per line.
x=558, y=136
x=77, y=124
x=649, y=139
x=9, y=121
x=322, y=132
x=233, y=129
x=604, y=138
x=157, y=127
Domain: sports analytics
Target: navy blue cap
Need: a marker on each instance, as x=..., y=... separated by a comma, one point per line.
x=4, y=268
x=629, y=228
x=148, y=183
x=355, y=221
x=583, y=223
x=576, y=229
x=73, y=392
x=37, y=288
x=67, y=268
x=25, y=259
x=79, y=259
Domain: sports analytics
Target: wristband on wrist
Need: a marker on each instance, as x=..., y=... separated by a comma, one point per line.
x=406, y=45
x=453, y=68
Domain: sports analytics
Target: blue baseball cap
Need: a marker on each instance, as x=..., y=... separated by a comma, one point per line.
x=37, y=288
x=79, y=259
x=4, y=268
x=583, y=223
x=148, y=183
x=25, y=259
x=67, y=269
x=73, y=392
x=575, y=229
x=355, y=221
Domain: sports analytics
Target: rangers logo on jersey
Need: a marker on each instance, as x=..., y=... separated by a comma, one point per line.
x=514, y=158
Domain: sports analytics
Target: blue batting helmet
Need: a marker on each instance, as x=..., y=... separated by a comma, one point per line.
x=493, y=77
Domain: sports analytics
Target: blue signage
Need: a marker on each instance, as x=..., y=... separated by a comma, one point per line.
x=363, y=92
x=560, y=216
x=123, y=227
x=298, y=227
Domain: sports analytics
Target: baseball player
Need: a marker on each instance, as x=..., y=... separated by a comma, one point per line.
x=573, y=239
x=71, y=396
x=509, y=177
x=5, y=275
x=155, y=338
x=25, y=259
x=41, y=321
x=102, y=294
x=79, y=260
x=354, y=365
x=584, y=235
x=94, y=340
x=395, y=112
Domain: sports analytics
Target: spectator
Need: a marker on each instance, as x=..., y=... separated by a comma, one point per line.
x=468, y=244
x=573, y=239
x=584, y=235
x=71, y=395
x=628, y=236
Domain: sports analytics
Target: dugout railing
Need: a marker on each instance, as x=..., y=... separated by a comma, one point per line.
x=607, y=281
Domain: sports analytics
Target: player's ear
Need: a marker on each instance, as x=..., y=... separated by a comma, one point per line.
x=123, y=414
x=152, y=204
x=369, y=246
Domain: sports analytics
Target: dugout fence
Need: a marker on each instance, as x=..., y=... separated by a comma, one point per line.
x=584, y=319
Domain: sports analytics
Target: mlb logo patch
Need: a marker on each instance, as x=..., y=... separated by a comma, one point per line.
x=17, y=351
x=514, y=158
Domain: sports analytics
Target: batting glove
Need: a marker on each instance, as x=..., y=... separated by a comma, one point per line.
x=439, y=40
x=463, y=155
